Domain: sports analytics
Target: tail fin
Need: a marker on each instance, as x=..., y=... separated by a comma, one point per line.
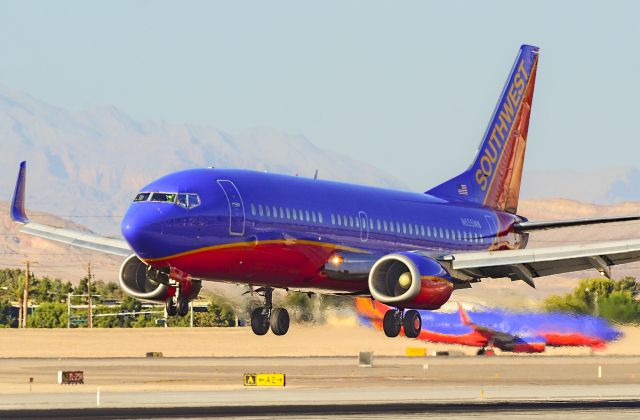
x=493, y=180
x=464, y=316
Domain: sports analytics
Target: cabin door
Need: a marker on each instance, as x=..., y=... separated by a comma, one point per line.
x=236, y=207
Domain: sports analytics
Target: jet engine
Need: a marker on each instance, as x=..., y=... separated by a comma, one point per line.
x=143, y=282
x=410, y=280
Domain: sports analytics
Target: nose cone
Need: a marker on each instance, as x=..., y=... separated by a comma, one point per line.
x=142, y=228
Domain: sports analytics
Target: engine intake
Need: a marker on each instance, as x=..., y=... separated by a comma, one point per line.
x=410, y=280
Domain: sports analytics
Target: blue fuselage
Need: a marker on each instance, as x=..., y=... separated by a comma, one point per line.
x=237, y=212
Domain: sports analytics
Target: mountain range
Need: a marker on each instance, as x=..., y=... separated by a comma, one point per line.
x=87, y=165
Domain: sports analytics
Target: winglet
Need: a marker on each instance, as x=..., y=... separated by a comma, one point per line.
x=464, y=317
x=18, y=213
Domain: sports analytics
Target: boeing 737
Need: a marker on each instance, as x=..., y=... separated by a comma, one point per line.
x=407, y=250
x=517, y=332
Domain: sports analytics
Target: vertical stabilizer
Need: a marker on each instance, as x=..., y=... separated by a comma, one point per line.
x=493, y=179
x=464, y=316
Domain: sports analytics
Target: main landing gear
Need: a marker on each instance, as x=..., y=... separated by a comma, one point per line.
x=264, y=317
x=177, y=305
x=395, y=319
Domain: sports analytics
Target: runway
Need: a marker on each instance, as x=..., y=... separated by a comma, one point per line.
x=521, y=410
x=332, y=386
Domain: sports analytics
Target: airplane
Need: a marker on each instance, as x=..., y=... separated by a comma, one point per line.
x=408, y=250
x=517, y=332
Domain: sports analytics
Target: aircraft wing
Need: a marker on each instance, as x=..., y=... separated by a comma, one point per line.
x=527, y=264
x=80, y=239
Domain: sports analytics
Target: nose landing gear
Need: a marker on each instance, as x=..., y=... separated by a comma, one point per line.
x=395, y=319
x=177, y=305
x=264, y=317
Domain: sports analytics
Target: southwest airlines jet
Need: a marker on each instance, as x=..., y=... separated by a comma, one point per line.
x=406, y=250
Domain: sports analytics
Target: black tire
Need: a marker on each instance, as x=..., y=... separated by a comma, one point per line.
x=170, y=307
x=183, y=306
x=412, y=323
x=391, y=323
x=259, y=321
x=279, y=321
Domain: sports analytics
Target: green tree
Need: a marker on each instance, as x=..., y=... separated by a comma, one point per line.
x=49, y=315
x=6, y=320
x=613, y=300
x=299, y=306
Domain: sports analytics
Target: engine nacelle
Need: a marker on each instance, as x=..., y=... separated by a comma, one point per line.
x=136, y=282
x=410, y=280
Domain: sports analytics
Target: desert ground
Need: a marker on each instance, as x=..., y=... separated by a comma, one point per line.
x=334, y=339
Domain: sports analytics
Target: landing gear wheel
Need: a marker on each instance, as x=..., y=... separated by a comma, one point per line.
x=412, y=323
x=170, y=307
x=392, y=322
x=279, y=321
x=259, y=321
x=183, y=306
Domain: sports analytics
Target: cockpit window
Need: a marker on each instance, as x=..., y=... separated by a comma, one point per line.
x=188, y=201
x=163, y=197
x=142, y=197
x=185, y=200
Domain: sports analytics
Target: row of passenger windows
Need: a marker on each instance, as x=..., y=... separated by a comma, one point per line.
x=375, y=225
x=285, y=212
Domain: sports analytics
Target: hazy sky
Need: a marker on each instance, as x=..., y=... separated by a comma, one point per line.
x=406, y=86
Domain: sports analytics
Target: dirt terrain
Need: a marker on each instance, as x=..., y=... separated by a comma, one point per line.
x=307, y=341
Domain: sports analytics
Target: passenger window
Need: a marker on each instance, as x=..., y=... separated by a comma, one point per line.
x=410, y=229
x=339, y=221
x=142, y=197
x=295, y=214
x=441, y=233
x=260, y=211
x=333, y=219
x=319, y=217
x=422, y=230
x=384, y=225
x=459, y=235
x=446, y=233
x=464, y=235
x=268, y=211
x=429, y=231
x=274, y=211
x=398, y=227
x=351, y=221
x=378, y=224
x=253, y=209
x=358, y=222
x=344, y=220
x=306, y=213
x=288, y=212
x=281, y=213
x=391, y=227
x=370, y=224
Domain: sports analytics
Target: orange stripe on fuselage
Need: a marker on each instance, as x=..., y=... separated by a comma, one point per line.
x=257, y=243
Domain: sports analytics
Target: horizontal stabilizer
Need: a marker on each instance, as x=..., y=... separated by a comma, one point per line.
x=557, y=224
